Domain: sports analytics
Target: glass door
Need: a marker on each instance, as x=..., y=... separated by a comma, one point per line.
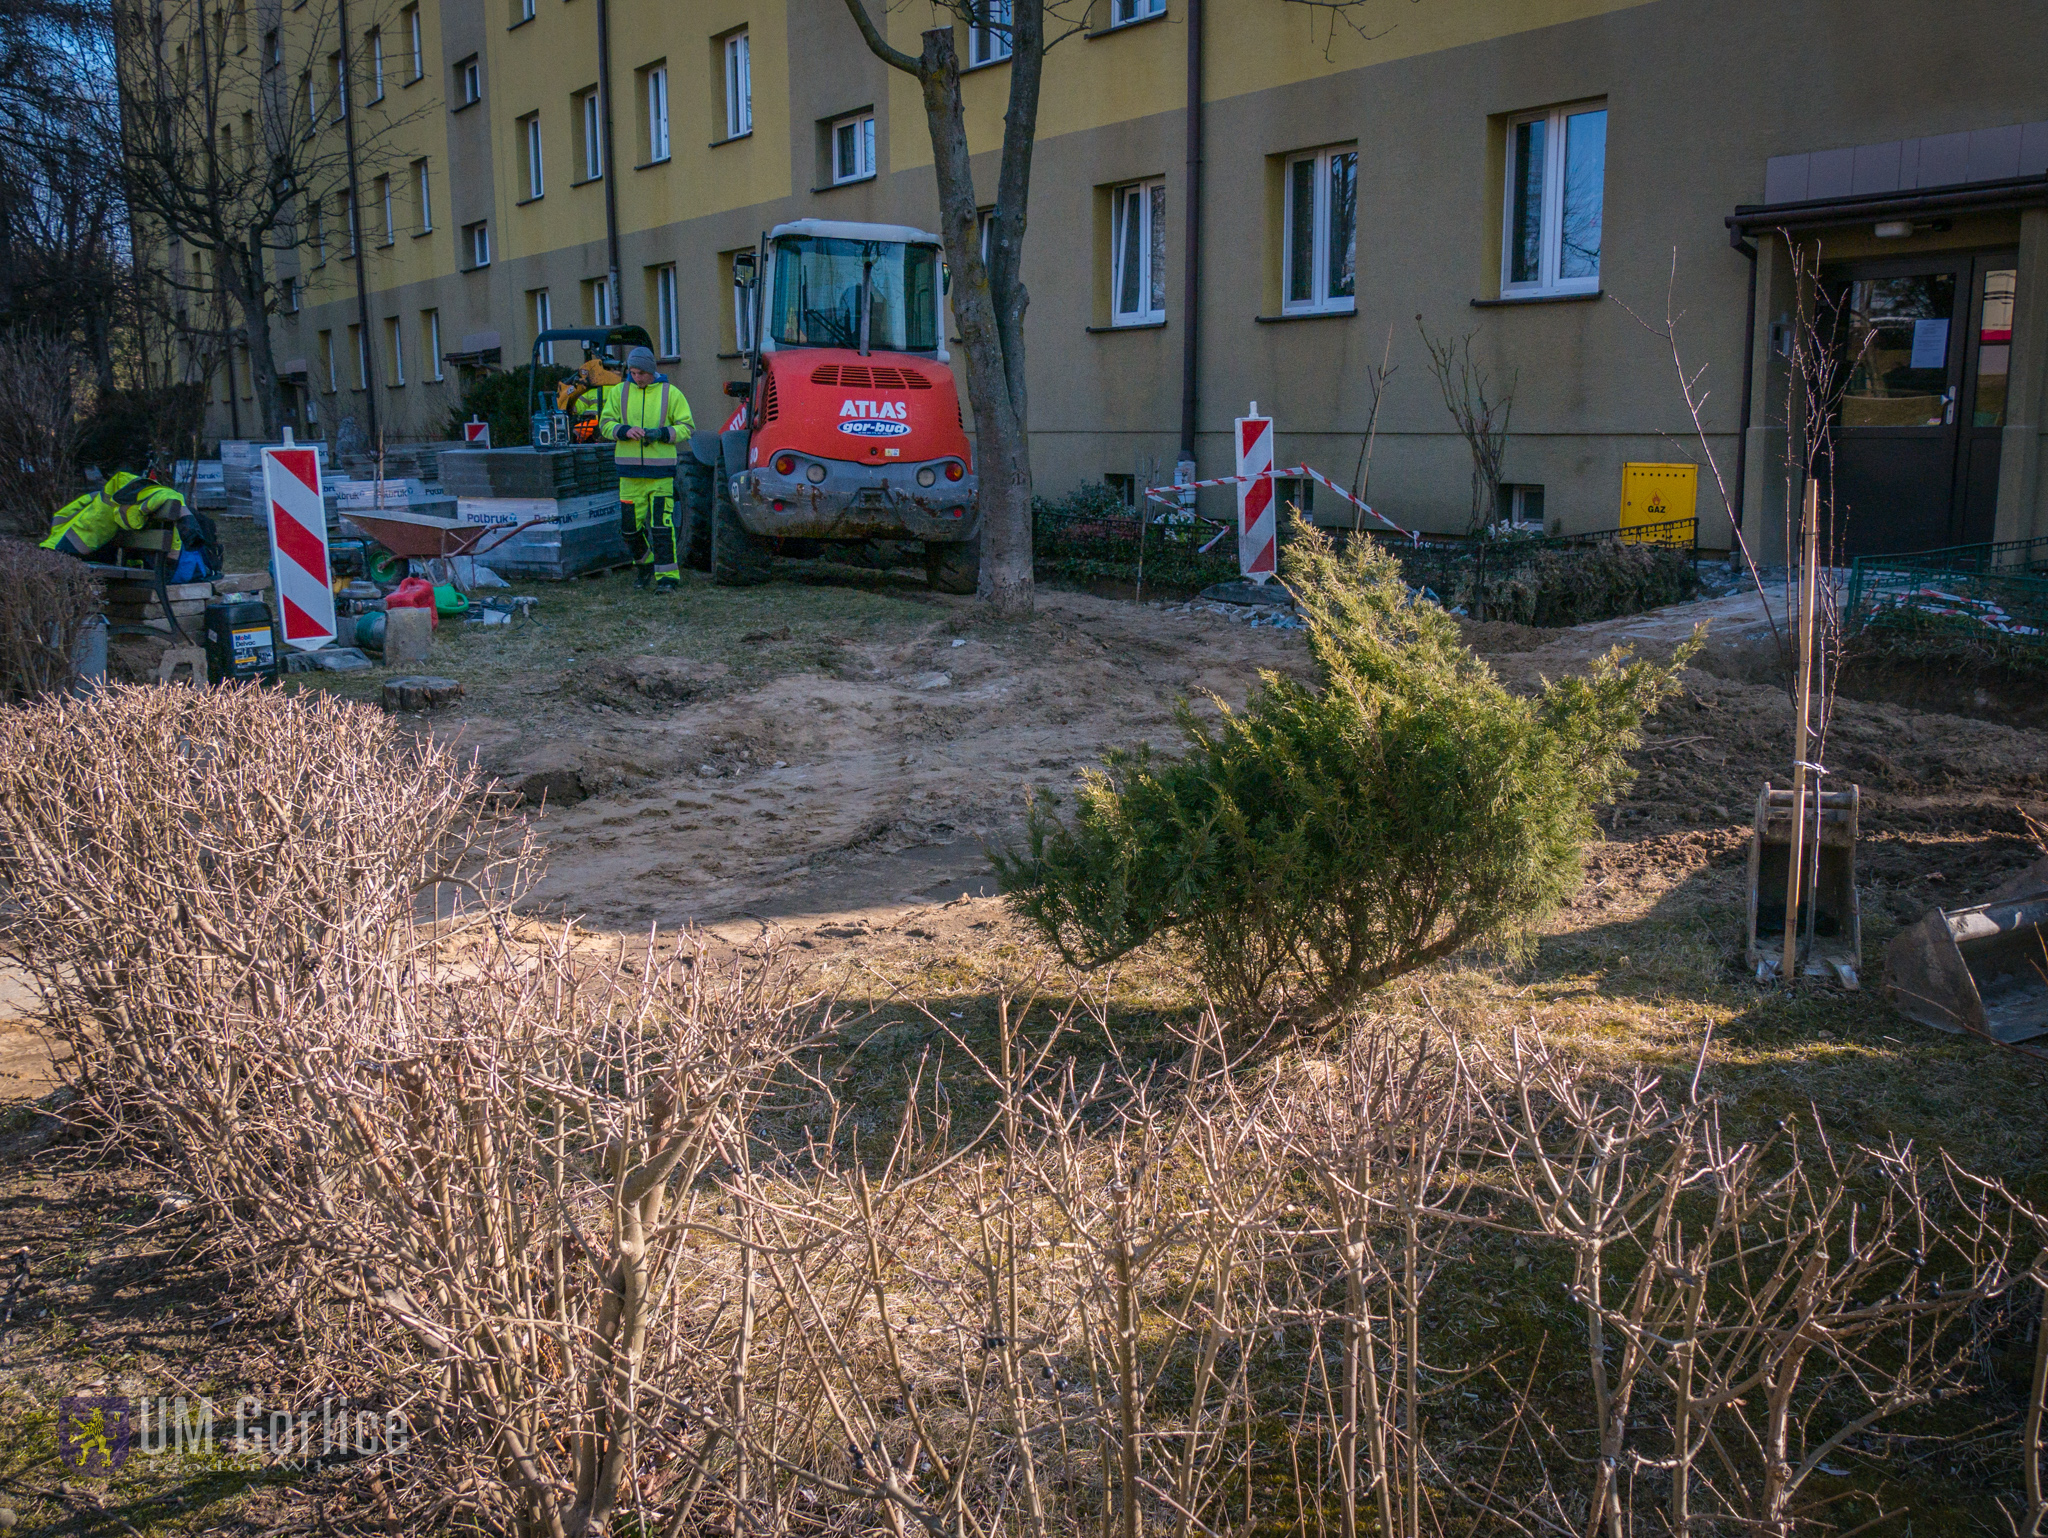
x=1994, y=285
x=1898, y=333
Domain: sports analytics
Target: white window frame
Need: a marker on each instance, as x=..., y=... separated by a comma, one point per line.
x=1319, y=300
x=739, y=85
x=430, y=333
x=601, y=303
x=526, y=11
x=657, y=114
x=311, y=81
x=424, y=182
x=394, y=327
x=376, y=50
x=863, y=126
x=419, y=51
x=592, y=119
x=348, y=214
x=743, y=315
x=543, y=320
x=471, y=73
x=989, y=42
x=333, y=367
x=536, y=173
x=1122, y=200
x=479, y=243
x=362, y=358
x=668, y=341
x=340, y=86
x=1551, y=224
x=390, y=219
x=1123, y=12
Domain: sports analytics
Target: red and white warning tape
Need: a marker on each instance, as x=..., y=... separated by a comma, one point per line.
x=1168, y=496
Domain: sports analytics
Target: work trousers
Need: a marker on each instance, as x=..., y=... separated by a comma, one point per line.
x=647, y=518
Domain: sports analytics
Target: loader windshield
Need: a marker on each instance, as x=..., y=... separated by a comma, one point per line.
x=818, y=286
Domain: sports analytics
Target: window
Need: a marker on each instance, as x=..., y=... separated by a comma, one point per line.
x=393, y=334
x=310, y=89
x=742, y=306
x=240, y=14
x=1520, y=506
x=361, y=346
x=411, y=17
x=273, y=49
x=339, y=77
x=327, y=356
x=530, y=157
x=374, y=47
x=817, y=300
x=469, y=81
x=600, y=301
x=1124, y=11
x=1297, y=492
x=477, y=238
x=1556, y=178
x=543, y=320
x=522, y=10
x=739, y=87
x=317, y=219
x=1321, y=256
x=668, y=340
x=657, y=113
x=988, y=40
x=590, y=135
x=348, y=214
x=288, y=295
x=1138, y=254
x=430, y=345
x=384, y=202
x=423, y=186
x=853, y=148
x=1124, y=486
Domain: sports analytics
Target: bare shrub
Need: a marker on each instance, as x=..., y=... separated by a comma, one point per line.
x=46, y=601
x=1480, y=407
x=39, y=425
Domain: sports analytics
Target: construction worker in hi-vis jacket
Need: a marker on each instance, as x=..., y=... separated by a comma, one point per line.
x=647, y=421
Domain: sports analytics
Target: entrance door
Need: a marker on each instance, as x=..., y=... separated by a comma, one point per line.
x=1924, y=343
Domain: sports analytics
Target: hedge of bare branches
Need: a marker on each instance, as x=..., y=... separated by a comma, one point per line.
x=607, y=1235
x=46, y=600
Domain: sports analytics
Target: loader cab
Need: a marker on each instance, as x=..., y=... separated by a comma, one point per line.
x=863, y=288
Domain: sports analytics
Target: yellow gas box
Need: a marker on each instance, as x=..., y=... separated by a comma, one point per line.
x=1657, y=504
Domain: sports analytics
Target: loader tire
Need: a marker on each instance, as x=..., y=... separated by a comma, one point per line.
x=738, y=559
x=953, y=567
x=695, y=495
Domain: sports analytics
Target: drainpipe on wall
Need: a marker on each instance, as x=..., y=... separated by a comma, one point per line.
x=1748, y=249
x=611, y=180
x=1190, y=345
x=366, y=350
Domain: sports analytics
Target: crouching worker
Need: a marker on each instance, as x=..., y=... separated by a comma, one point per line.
x=645, y=421
x=88, y=526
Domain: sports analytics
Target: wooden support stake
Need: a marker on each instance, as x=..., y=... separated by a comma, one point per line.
x=1809, y=555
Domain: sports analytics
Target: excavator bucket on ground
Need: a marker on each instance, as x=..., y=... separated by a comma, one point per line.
x=1981, y=969
x=1837, y=948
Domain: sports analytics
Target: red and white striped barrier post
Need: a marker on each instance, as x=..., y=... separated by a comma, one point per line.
x=475, y=434
x=298, y=546
x=1258, y=526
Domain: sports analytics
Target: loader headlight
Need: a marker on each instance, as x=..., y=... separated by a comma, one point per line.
x=927, y=476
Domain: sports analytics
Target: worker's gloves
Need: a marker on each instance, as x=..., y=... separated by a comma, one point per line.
x=663, y=435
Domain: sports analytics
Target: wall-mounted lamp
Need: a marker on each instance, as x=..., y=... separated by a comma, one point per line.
x=1893, y=229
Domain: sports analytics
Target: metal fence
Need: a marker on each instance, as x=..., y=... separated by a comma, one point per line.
x=1967, y=590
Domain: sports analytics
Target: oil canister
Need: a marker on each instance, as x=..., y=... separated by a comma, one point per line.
x=241, y=645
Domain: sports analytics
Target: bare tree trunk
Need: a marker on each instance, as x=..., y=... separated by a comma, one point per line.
x=242, y=276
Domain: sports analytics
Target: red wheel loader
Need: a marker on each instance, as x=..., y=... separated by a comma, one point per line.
x=850, y=428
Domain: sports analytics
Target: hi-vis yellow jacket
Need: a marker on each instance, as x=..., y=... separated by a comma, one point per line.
x=661, y=411
x=126, y=503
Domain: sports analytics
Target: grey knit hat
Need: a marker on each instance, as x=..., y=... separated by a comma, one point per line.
x=641, y=357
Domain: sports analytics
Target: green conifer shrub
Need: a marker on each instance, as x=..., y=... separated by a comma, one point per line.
x=1331, y=837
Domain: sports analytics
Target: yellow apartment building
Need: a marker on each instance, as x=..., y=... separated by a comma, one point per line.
x=1240, y=200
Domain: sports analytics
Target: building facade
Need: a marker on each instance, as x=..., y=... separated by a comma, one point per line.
x=1553, y=177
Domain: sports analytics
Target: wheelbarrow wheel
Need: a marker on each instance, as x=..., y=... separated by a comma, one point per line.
x=383, y=568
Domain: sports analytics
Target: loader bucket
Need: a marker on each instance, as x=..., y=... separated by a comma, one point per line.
x=1983, y=970
x=1838, y=917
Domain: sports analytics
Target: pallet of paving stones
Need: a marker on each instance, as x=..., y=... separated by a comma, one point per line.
x=555, y=552
x=526, y=472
